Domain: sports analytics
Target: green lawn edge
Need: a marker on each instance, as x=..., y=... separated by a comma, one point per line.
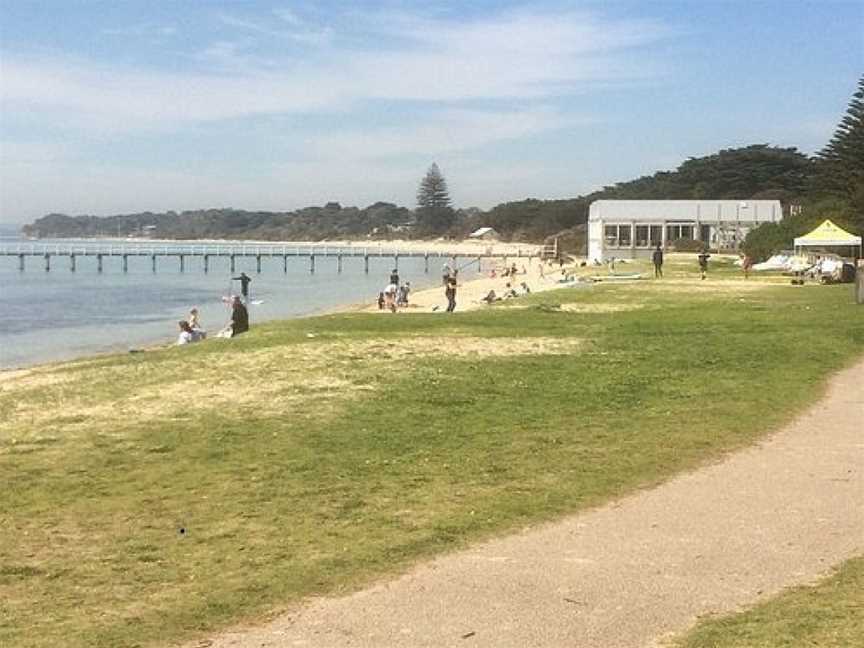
x=829, y=614
x=409, y=485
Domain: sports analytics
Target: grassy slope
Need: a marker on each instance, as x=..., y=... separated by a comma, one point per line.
x=303, y=465
x=829, y=614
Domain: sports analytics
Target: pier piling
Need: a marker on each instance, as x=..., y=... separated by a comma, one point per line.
x=21, y=262
x=47, y=262
x=125, y=263
x=181, y=263
x=98, y=263
x=365, y=264
x=258, y=263
x=311, y=264
x=153, y=263
x=232, y=263
x=72, y=262
x=206, y=263
x=339, y=263
x=285, y=264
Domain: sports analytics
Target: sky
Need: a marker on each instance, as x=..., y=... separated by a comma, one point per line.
x=118, y=107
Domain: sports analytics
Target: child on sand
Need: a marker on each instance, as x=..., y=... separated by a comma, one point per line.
x=185, y=336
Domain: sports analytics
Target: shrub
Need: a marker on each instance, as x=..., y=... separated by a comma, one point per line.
x=686, y=245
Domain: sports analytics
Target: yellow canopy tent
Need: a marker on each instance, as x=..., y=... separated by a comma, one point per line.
x=829, y=235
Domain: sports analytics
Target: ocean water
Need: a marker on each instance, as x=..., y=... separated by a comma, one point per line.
x=47, y=316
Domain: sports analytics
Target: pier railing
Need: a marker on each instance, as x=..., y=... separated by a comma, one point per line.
x=258, y=251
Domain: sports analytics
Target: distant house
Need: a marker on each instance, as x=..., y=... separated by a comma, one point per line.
x=484, y=234
x=627, y=229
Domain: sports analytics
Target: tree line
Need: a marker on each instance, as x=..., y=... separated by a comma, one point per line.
x=829, y=185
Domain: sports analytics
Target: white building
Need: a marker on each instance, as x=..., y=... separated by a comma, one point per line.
x=484, y=234
x=628, y=229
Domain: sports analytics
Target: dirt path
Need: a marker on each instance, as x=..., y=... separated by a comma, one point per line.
x=634, y=571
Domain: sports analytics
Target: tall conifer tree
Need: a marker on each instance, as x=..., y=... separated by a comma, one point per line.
x=434, y=213
x=840, y=165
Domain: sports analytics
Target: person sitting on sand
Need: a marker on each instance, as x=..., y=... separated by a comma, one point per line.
x=491, y=297
x=509, y=293
x=198, y=333
x=525, y=288
x=185, y=336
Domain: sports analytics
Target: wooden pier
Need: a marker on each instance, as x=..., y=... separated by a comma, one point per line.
x=47, y=252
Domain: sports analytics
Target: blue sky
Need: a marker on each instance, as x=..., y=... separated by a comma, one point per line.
x=127, y=106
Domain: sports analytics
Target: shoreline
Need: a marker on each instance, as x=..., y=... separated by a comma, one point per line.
x=425, y=300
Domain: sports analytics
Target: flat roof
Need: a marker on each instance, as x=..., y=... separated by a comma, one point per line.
x=705, y=211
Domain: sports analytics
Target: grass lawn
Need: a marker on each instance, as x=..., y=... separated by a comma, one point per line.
x=829, y=614
x=149, y=498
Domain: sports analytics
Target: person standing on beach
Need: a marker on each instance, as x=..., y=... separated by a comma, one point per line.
x=239, y=317
x=244, y=280
x=390, y=297
x=394, y=277
x=703, y=262
x=657, y=258
x=450, y=291
x=404, y=289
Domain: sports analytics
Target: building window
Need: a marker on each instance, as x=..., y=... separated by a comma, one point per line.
x=618, y=235
x=648, y=235
x=675, y=232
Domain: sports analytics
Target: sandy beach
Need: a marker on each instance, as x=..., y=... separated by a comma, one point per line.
x=474, y=285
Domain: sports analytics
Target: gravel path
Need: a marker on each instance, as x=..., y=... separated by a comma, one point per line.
x=634, y=571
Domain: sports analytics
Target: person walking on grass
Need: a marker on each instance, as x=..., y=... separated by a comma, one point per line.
x=657, y=258
x=747, y=265
x=703, y=262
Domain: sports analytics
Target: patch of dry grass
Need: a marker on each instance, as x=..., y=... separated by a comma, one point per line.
x=311, y=379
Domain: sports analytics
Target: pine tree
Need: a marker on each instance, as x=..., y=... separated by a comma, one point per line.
x=840, y=165
x=434, y=213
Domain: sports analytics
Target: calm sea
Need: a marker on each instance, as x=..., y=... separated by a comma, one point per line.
x=55, y=315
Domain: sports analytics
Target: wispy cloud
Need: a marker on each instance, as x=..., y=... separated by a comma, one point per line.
x=146, y=29
x=448, y=131
x=291, y=28
x=354, y=93
x=521, y=55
